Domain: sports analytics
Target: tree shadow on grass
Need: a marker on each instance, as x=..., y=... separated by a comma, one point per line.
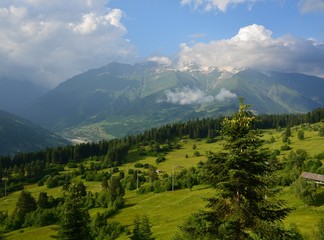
x=128, y=205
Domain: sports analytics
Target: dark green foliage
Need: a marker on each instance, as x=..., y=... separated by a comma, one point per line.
x=285, y=147
x=160, y=159
x=112, y=196
x=138, y=165
x=276, y=231
x=196, y=153
x=307, y=191
x=301, y=135
x=42, y=201
x=184, y=179
x=242, y=176
x=288, y=132
x=41, y=217
x=58, y=180
x=321, y=132
x=104, y=230
x=142, y=229
x=74, y=218
x=320, y=155
x=25, y=204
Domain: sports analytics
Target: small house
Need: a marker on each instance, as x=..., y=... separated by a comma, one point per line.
x=317, y=178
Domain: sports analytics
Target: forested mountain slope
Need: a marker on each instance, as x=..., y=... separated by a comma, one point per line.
x=20, y=135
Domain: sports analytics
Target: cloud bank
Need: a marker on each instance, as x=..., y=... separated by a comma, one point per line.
x=254, y=47
x=50, y=41
x=187, y=96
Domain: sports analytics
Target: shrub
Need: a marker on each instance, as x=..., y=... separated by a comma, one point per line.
x=159, y=159
x=196, y=153
x=285, y=147
x=138, y=165
x=301, y=135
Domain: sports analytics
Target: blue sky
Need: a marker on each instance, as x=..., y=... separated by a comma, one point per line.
x=160, y=26
x=50, y=41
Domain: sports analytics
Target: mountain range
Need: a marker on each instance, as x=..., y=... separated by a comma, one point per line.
x=120, y=99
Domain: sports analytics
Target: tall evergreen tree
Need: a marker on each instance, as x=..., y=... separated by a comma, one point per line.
x=241, y=175
x=74, y=218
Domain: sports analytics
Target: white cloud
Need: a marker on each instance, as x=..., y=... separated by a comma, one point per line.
x=311, y=6
x=209, y=5
x=160, y=60
x=254, y=47
x=186, y=96
x=50, y=41
x=225, y=95
x=88, y=24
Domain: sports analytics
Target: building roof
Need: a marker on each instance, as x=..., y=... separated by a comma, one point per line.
x=313, y=176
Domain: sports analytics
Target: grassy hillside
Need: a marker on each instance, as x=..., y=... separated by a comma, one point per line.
x=168, y=210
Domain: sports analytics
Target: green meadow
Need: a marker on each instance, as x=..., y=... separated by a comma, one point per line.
x=168, y=210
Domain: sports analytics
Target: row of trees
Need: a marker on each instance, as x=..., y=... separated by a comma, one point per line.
x=116, y=149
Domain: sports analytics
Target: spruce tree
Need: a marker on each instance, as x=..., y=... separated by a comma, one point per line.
x=42, y=201
x=241, y=175
x=26, y=203
x=142, y=229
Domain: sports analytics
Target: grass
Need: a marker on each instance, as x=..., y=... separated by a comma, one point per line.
x=166, y=211
x=169, y=210
x=41, y=233
x=176, y=159
x=305, y=217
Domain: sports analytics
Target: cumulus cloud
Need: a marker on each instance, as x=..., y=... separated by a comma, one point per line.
x=254, y=47
x=209, y=5
x=311, y=6
x=50, y=41
x=187, y=96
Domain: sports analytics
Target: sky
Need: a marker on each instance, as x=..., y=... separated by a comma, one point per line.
x=49, y=41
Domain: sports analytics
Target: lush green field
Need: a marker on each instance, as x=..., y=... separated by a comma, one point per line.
x=168, y=210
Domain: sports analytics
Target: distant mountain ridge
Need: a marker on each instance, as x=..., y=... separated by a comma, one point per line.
x=119, y=99
x=20, y=135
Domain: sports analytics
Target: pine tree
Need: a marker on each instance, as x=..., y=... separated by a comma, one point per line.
x=241, y=175
x=74, y=218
